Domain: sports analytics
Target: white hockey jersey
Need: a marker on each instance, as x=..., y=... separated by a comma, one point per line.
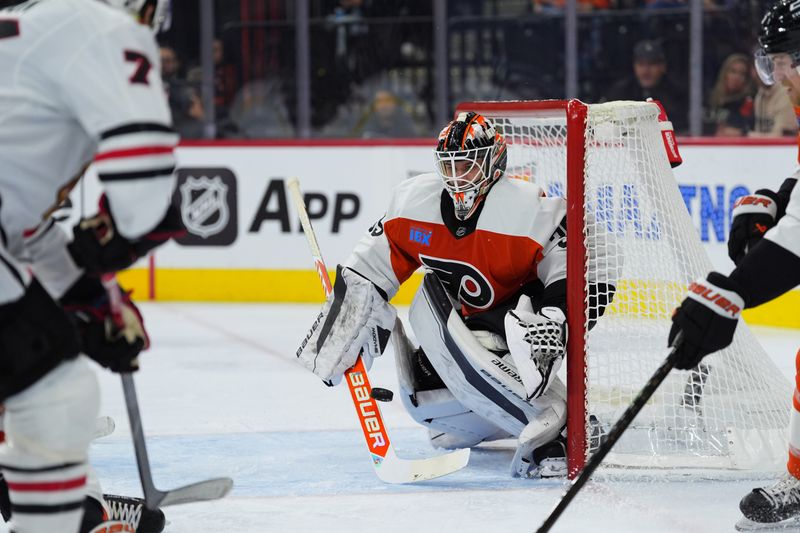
x=80, y=84
x=518, y=237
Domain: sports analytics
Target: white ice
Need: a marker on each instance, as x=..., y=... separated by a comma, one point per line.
x=222, y=395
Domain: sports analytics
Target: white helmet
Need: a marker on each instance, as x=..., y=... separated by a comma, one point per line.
x=138, y=8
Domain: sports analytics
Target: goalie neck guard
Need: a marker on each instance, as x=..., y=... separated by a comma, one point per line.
x=470, y=157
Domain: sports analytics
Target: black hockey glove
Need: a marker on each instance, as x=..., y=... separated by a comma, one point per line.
x=113, y=347
x=707, y=318
x=752, y=215
x=98, y=247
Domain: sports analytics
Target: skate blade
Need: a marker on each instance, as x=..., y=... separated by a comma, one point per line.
x=550, y=468
x=786, y=526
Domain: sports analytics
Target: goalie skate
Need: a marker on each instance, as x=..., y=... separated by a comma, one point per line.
x=773, y=508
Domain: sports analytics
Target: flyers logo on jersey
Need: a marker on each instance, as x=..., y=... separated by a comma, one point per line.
x=462, y=280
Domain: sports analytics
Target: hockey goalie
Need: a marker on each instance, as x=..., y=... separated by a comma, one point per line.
x=489, y=315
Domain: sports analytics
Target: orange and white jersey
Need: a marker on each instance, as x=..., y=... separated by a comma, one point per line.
x=81, y=83
x=517, y=236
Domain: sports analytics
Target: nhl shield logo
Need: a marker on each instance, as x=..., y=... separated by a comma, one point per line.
x=204, y=205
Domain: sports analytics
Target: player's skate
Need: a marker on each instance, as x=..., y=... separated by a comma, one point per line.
x=774, y=508
x=132, y=511
x=113, y=526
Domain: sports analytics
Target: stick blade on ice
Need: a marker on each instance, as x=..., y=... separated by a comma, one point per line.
x=211, y=489
x=396, y=470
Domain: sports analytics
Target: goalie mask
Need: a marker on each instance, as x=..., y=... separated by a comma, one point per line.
x=779, y=54
x=470, y=157
x=139, y=9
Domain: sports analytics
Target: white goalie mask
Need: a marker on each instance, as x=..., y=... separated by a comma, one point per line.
x=470, y=157
x=138, y=8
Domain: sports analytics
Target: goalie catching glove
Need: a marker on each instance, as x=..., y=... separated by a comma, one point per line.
x=355, y=315
x=113, y=347
x=707, y=318
x=537, y=342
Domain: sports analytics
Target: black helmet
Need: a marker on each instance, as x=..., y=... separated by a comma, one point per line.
x=780, y=28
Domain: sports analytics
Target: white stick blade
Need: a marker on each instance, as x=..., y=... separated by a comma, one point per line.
x=396, y=470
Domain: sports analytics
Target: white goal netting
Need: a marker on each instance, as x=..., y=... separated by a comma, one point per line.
x=732, y=411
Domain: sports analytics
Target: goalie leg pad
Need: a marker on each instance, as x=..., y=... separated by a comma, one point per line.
x=450, y=424
x=483, y=382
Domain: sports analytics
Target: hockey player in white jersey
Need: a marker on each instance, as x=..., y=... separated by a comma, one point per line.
x=765, y=245
x=80, y=85
x=490, y=315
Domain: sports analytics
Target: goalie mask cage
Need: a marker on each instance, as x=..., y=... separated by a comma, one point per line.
x=627, y=224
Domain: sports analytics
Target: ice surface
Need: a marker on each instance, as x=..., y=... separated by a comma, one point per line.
x=221, y=395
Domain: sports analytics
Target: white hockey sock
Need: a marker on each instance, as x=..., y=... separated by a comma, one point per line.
x=46, y=499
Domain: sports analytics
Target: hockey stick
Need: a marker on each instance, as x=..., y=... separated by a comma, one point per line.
x=211, y=489
x=613, y=436
x=388, y=467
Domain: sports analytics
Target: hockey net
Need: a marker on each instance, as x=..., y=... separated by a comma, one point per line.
x=627, y=224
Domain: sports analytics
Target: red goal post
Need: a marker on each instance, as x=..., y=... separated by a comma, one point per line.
x=609, y=162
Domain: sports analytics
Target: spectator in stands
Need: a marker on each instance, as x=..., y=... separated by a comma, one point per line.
x=773, y=111
x=258, y=112
x=386, y=117
x=650, y=80
x=225, y=81
x=170, y=65
x=183, y=97
x=730, y=109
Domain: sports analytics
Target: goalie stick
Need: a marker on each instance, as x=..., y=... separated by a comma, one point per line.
x=211, y=489
x=388, y=466
x=613, y=436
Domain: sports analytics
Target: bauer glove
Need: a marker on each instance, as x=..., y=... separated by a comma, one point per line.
x=356, y=315
x=707, y=318
x=752, y=215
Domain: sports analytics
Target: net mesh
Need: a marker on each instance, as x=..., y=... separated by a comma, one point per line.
x=733, y=410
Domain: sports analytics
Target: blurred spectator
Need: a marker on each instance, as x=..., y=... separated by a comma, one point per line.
x=225, y=81
x=773, y=111
x=386, y=117
x=258, y=112
x=650, y=80
x=730, y=109
x=184, y=99
x=170, y=65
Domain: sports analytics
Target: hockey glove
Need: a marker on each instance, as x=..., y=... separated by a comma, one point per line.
x=99, y=248
x=752, y=216
x=537, y=342
x=113, y=347
x=707, y=318
x=355, y=315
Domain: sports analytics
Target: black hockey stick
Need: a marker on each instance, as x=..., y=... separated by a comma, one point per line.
x=613, y=436
x=211, y=489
